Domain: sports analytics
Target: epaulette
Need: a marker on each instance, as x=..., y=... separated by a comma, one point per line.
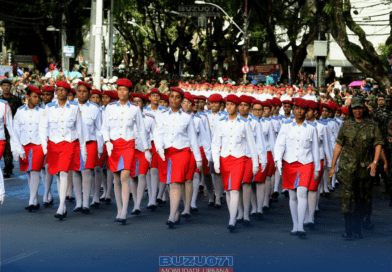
x=225, y=113
x=244, y=119
x=322, y=122
x=21, y=107
x=197, y=115
x=1, y=100
x=223, y=118
x=102, y=108
x=186, y=112
x=51, y=104
x=73, y=103
x=42, y=106
x=255, y=118
x=336, y=121
x=94, y=104
x=208, y=111
x=202, y=113
x=145, y=107
x=288, y=121
x=165, y=108
x=133, y=104
x=112, y=103
x=150, y=115
x=311, y=123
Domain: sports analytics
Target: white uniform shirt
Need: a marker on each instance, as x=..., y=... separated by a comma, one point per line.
x=269, y=133
x=60, y=124
x=119, y=122
x=231, y=138
x=298, y=143
x=277, y=123
x=176, y=130
x=310, y=97
x=324, y=142
x=92, y=123
x=257, y=130
x=156, y=113
x=204, y=118
x=333, y=127
x=149, y=125
x=213, y=120
x=26, y=124
x=202, y=136
x=6, y=121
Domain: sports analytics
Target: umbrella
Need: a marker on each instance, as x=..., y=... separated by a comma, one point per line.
x=356, y=84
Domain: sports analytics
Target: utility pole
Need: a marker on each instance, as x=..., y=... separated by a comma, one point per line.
x=111, y=19
x=64, y=60
x=246, y=37
x=91, y=42
x=98, y=48
x=321, y=27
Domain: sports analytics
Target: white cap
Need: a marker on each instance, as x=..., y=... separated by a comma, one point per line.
x=105, y=88
x=76, y=80
x=111, y=81
x=105, y=81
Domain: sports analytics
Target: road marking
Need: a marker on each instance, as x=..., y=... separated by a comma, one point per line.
x=21, y=256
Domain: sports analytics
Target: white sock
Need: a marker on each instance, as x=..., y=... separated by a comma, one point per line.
x=125, y=190
x=162, y=188
x=277, y=181
x=234, y=200
x=63, y=187
x=312, y=201
x=134, y=182
x=48, y=184
x=246, y=196
x=240, y=213
x=253, y=198
x=117, y=193
x=195, y=182
x=294, y=208
x=98, y=177
x=141, y=187
x=154, y=186
x=88, y=179
x=228, y=199
x=318, y=197
x=260, y=192
x=43, y=177
x=218, y=189
x=325, y=179
x=175, y=197
x=77, y=184
x=267, y=191
x=209, y=182
x=302, y=195
x=70, y=183
x=34, y=184
x=110, y=181
x=148, y=181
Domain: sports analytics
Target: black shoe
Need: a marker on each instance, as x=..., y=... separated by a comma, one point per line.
x=86, y=210
x=311, y=226
x=152, y=207
x=178, y=222
x=347, y=235
x=194, y=210
x=201, y=188
x=275, y=195
x=67, y=198
x=108, y=200
x=45, y=204
x=117, y=220
x=163, y=202
x=60, y=216
x=286, y=193
x=240, y=220
x=301, y=234
x=210, y=204
x=186, y=215
x=337, y=185
x=101, y=190
x=71, y=199
x=327, y=194
x=367, y=225
x=170, y=224
x=102, y=199
x=30, y=208
x=78, y=209
x=246, y=223
x=317, y=211
x=130, y=196
x=7, y=175
x=36, y=207
x=293, y=233
x=159, y=201
x=217, y=206
x=266, y=209
x=123, y=221
x=51, y=202
x=253, y=214
x=136, y=212
x=95, y=204
x=231, y=228
x=332, y=190
x=260, y=215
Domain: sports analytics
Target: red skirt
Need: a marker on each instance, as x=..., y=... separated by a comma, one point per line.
x=178, y=163
x=206, y=169
x=313, y=186
x=34, y=158
x=232, y=171
x=122, y=155
x=140, y=164
x=297, y=174
x=2, y=148
x=192, y=168
x=92, y=155
x=104, y=158
x=248, y=171
x=268, y=171
x=61, y=155
x=260, y=176
x=155, y=156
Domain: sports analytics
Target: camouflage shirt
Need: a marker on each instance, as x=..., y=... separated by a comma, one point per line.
x=14, y=102
x=164, y=90
x=382, y=117
x=358, y=141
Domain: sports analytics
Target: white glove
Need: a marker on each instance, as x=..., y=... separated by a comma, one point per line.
x=208, y=163
x=99, y=155
x=316, y=175
x=279, y=166
x=148, y=156
x=15, y=156
x=44, y=149
x=263, y=166
x=216, y=167
x=161, y=153
x=84, y=157
x=109, y=148
x=199, y=165
x=22, y=155
x=255, y=170
x=2, y=198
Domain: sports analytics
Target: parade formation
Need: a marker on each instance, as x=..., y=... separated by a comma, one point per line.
x=244, y=143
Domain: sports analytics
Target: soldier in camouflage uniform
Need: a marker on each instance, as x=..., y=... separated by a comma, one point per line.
x=163, y=88
x=139, y=87
x=14, y=102
x=359, y=144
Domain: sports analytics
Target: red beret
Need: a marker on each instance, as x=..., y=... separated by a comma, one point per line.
x=233, y=98
x=84, y=84
x=267, y=104
x=130, y=96
x=165, y=97
x=277, y=101
x=254, y=102
x=324, y=105
x=147, y=97
x=300, y=102
x=63, y=84
x=333, y=105
x=287, y=102
x=202, y=97
x=344, y=110
x=155, y=90
x=124, y=82
x=178, y=90
x=108, y=93
x=246, y=99
x=34, y=89
x=139, y=95
x=48, y=88
x=95, y=91
x=189, y=97
x=114, y=94
x=313, y=105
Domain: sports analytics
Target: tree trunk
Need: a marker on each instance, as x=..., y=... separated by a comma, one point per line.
x=45, y=46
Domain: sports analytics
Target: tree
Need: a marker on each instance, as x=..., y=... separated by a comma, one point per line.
x=364, y=57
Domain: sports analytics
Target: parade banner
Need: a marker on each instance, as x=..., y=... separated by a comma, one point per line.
x=258, y=72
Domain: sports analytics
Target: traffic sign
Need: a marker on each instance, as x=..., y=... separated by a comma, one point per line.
x=245, y=69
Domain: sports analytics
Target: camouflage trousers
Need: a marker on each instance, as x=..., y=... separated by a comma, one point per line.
x=359, y=190
x=8, y=160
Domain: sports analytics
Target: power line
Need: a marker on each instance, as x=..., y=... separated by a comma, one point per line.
x=23, y=18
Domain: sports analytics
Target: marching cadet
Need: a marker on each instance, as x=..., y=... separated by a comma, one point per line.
x=360, y=142
x=176, y=141
x=229, y=154
x=140, y=164
x=26, y=125
x=297, y=154
x=255, y=127
x=118, y=130
x=204, y=143
x=47, y=97
x=62, y=139
x=92, y=122
x=325, y=151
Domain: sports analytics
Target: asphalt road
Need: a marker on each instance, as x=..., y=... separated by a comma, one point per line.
x=39, y=242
